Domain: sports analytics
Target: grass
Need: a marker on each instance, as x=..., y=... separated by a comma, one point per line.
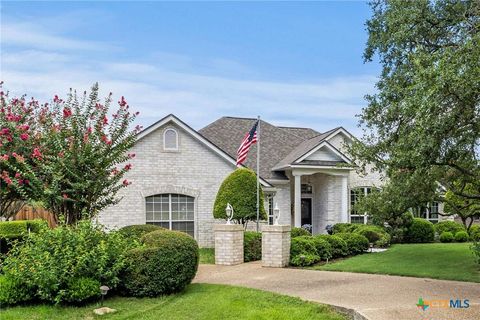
x=207, y=255
x=198, y=301
x=448, y=261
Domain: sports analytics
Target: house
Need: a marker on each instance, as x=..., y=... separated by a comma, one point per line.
x=177, y=172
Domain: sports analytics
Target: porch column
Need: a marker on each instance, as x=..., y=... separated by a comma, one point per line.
x=298, y=200
x=344, y=214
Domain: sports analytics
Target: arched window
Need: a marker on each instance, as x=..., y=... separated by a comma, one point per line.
x=171, y=211
x=355, y=195
x=170, y=139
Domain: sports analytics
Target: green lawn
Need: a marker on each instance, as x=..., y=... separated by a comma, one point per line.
x=449, y=261
x=198, y=301
x=207, y=255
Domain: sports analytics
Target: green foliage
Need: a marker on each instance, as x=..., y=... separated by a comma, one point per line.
x=450, y=226
x=420, y=231
x=36, y=225
x=344, y=227
x=324, y=249
x=17, y=227
x=82, y=289
x=422, y=124
x=49, y=263
x=475, y=247
x=240, y=190
x=338, y=245
x=474, y=232
x=446, y=236
x=252, y=246
x=12, y=291
x=138, y=230
x=466, y=209
x=372, y=233
x=299, y=232
x=12, y=232
x=356, y=243
x=303, y=251
x=166, y=264
x=461, y=236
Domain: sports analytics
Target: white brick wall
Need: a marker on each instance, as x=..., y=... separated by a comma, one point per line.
x=194, y=170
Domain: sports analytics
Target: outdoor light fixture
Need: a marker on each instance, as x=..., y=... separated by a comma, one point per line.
x=229, y=212
x=276, y=214
x=104, y=291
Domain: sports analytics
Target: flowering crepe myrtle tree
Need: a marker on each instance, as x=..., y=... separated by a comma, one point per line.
x=20, y=141
x=78, y=155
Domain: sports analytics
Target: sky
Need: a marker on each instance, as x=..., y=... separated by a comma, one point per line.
x=292, y=63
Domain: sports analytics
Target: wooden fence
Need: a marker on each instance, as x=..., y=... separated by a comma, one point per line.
x=30, y=213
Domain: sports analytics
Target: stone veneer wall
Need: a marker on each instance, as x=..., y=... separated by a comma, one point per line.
x=276, y=246
x=228, y=244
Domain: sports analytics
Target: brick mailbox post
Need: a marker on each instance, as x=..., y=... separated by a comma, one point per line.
x=275, y=245
x=228, y=244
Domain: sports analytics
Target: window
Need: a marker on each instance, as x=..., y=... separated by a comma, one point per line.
x=429, y=212
x=170, y=140
x=171, y=211
x=270, y=209
x=355, y=195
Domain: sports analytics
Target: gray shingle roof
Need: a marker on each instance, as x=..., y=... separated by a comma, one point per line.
x=305, y=133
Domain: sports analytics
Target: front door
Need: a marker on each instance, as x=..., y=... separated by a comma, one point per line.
x=306, y=211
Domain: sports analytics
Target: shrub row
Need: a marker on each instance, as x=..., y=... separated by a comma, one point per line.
x=375, y=234
x=252, y=246
x=15, y=231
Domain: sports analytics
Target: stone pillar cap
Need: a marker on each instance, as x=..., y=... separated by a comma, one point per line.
x=276, y=228
x=227, y=227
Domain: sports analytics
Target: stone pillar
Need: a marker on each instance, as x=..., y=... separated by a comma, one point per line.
x=344, y=213
x=275, y=245
x=228, y=244
x=297, y=212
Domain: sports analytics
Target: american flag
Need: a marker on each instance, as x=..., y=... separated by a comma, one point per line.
x=250, y=138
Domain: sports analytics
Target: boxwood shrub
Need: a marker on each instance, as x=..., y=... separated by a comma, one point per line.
x=324, y=249
x=138, y=230
x=474, y=232
x=446, y=236
x=345, y=227
x=450, y=226
x=303, y=251
x=338, y=245
x=375, y=234
x=356, y=243
x=420, y=231
x=461, y=236
x=252, y=246
x=12, y=232
x=166, y=264
x=299, y=232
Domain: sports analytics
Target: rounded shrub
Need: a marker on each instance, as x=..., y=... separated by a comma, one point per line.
x=450, y=226
x=474, y=232
x=420, y=231
x=345, y=227
x=252, y=246
x=373, y=234
x=299, y=232
x=461, y=236
x=13, y=292
x=240, y=190
x=303, y=251
x=338, y=245
x=324, y=249
x=82, y=289
x=166, y=264
x=356, y=243
x=138, y=230
x=446, y=236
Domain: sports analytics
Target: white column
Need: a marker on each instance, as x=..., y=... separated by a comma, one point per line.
x=298, y=201
x=344, y=214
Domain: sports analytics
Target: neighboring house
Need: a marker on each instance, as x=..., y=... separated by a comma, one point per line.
x=177, y=172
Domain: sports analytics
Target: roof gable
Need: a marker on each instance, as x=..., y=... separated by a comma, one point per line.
x=324, y=152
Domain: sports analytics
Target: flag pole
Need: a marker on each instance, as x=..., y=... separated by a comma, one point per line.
x=258, y=171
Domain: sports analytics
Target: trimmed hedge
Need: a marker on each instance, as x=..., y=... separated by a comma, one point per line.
x=324, y=249
x=138, y=230
x=474, y=232
x=446, y=236
x=17, y=230
x=461, y=236
x=252, y=246
x=450, y=226
x=303, y=251
x=375, y=234
x=345, y=227
x=299, y=232
x=166, y=264
x=338, y=245
x=420, y=231
x=356, y=243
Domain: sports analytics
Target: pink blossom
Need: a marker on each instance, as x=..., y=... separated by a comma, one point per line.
x=122, y=102
x=5, y=131
x=56, y=99
x=37, y=154
x=17, y=175
x=61, y=154
x=128, y=167
x=23, y=127
x=105, y=120
x=67, y=112
x=131, y=155
x=126, y=182
x=115, y=171
x=24, y=136
x=65, y=196
x=4, y=157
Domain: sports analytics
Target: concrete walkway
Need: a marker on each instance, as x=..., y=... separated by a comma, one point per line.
x=375, y=297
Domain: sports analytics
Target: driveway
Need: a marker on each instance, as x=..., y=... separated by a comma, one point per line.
x=375, y=297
